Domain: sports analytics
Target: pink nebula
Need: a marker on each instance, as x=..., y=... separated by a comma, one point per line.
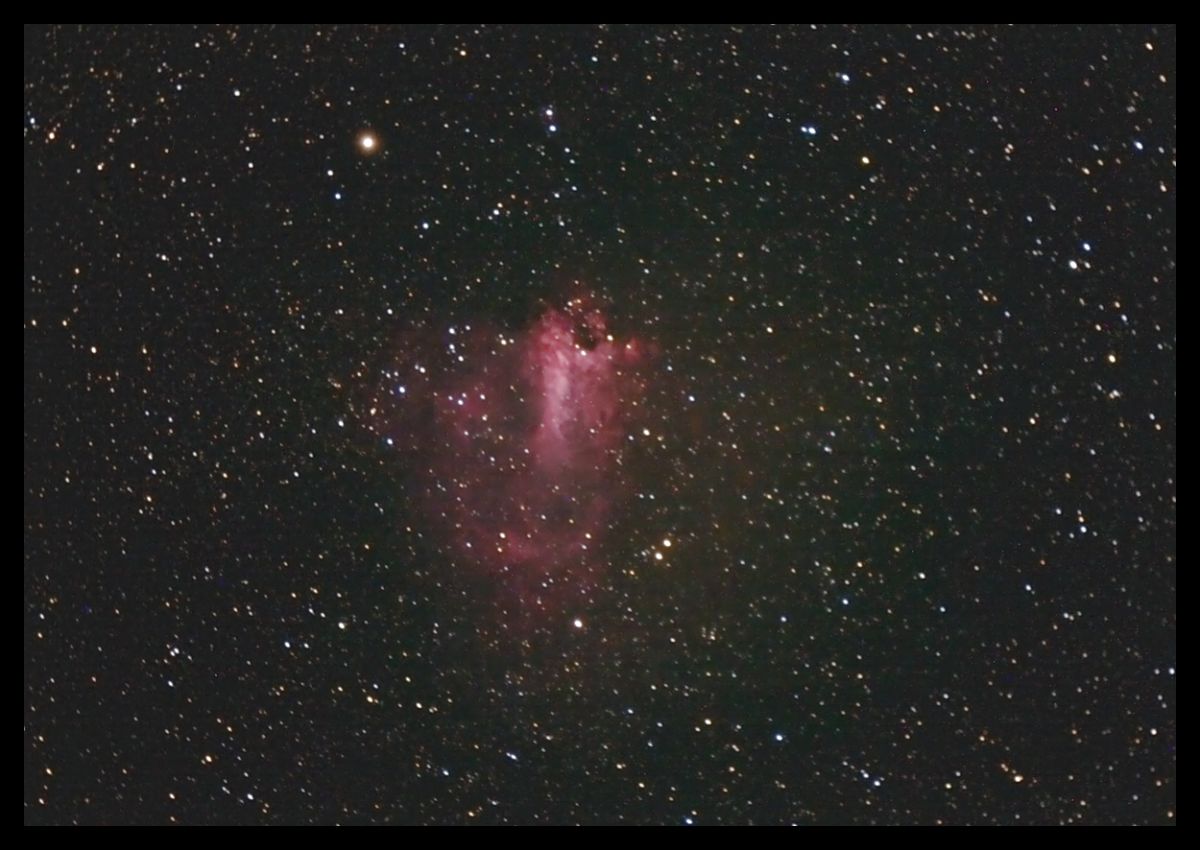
x=516, y=440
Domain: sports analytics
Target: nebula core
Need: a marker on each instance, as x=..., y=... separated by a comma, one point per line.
x=517, y=439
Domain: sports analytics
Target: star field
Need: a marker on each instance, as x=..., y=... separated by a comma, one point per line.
x=600, y=425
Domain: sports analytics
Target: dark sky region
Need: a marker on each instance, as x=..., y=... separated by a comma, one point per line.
x=604, y=424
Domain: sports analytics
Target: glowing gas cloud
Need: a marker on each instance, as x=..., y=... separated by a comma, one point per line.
x=515, y=439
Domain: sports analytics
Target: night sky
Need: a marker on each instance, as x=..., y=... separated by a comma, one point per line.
x=653, y=425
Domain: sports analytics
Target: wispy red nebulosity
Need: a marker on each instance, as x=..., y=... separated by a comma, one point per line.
x=517, y=440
